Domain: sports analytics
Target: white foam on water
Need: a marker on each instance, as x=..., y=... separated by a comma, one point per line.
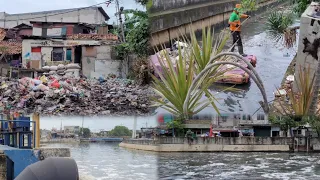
x=217, y=164
x=282, y=176
x=298, y=157
x=295, y=162
x=277, y=159
x=191, y=173
x=264, y=165
x=312, y=159
x=86, y=177
x=140, y=174
x=247, y=168
x=308, y=170
x=226, y=174
x=139, y=166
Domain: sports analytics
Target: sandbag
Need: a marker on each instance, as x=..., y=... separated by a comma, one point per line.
x=46, y=68
x=53, y=68
x=73, y=66
x=52, y=72
x=60, y=71
x=61, y=67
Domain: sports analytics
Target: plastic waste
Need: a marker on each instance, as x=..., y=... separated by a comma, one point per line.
x=44, y=79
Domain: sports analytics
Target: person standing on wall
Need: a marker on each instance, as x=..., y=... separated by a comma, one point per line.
x=235, y=28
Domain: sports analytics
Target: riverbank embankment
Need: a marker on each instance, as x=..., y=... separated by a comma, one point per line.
x=226, y=144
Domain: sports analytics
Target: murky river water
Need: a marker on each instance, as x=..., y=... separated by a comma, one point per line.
x=108, y=161
x=102, y=161
x=240, y=166
x=271, y=66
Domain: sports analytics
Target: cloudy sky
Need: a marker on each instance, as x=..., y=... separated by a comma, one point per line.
x=25, y=6
x=96, y=123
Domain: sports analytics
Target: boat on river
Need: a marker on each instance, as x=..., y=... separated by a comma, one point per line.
x=233, y=75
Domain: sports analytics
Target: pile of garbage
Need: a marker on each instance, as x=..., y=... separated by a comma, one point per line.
x=61, y=95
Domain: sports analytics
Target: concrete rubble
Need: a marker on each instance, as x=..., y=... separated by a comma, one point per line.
x=67, y=94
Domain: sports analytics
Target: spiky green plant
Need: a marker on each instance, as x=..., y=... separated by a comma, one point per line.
x=278, y=24
x=174, y=83
x=211, y=46
x=300, y=101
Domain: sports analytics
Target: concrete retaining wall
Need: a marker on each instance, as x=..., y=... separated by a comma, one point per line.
x=207, y=148
x=178, y=20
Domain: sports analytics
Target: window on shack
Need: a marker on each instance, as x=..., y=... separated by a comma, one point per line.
x=57, y=54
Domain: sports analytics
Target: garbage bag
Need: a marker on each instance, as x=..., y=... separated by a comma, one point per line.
x=44, y=79
x=37, y=82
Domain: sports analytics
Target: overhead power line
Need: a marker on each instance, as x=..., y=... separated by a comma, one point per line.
x=73, y=10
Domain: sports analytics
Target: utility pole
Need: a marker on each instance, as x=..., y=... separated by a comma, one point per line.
x=82, y=126
x=134, y=133
x=119, y=13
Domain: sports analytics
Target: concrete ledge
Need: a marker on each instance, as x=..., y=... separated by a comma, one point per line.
x=207, y=148
x=53, y=152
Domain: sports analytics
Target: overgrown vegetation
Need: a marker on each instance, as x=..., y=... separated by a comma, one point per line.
x=248, y=5
x=178, y=127
x=278, y=24
x=300, y=101
x=279, y=21
x=299, y=6
x=137, y=34
x=286, y=123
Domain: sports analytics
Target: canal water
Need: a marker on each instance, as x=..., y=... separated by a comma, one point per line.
x=239, y=166
x=102, y=161
x=99, y=161
x=272, y=63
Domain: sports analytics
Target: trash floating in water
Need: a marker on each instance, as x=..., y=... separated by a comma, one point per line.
x=61, y=95
x=280, y=92
x=290, y=78
x=286, y=55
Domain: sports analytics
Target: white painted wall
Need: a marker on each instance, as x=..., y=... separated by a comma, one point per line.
x=36, y=31
x=105, y=67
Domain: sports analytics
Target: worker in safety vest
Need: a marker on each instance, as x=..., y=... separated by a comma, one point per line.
x=235, y=27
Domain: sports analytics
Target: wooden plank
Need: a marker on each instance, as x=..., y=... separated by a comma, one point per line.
x=35, y=64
